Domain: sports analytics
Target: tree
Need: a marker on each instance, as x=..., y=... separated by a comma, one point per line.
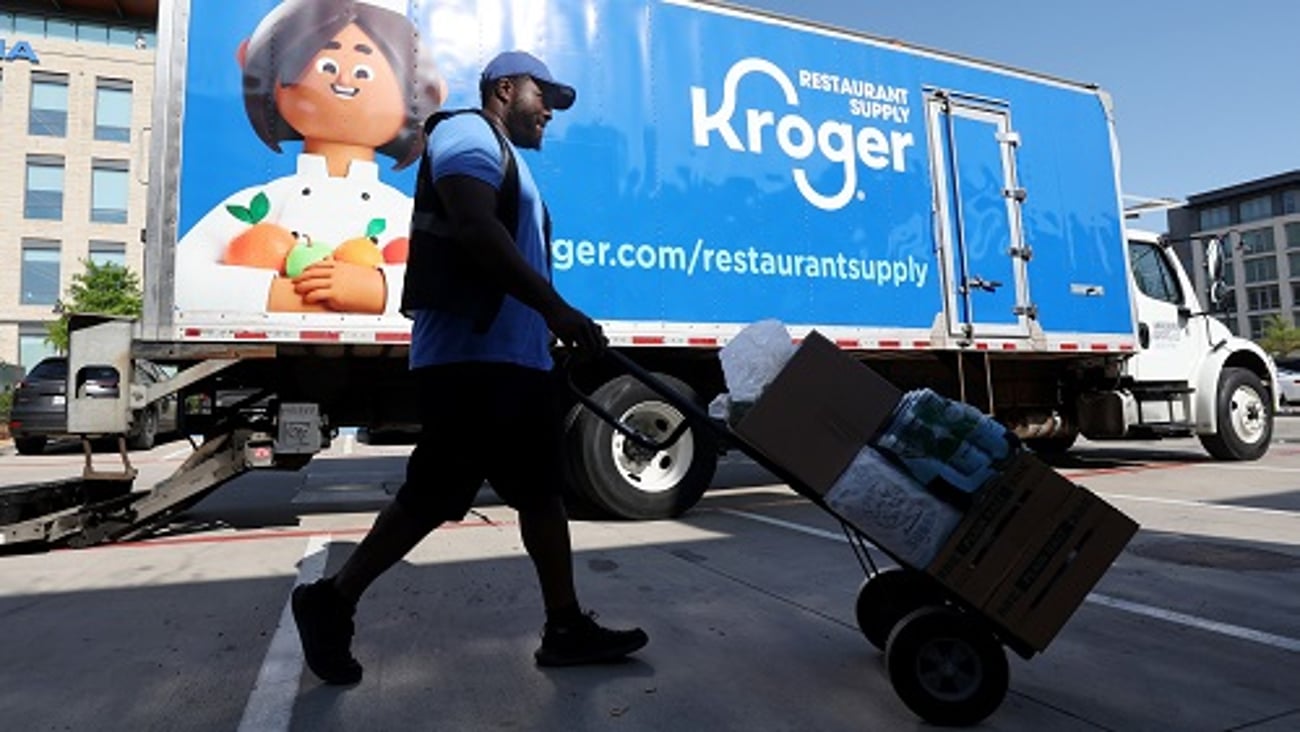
x=1280, y=337
x=104, y=289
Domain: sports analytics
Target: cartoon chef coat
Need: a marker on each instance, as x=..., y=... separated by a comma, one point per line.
x=310, y=203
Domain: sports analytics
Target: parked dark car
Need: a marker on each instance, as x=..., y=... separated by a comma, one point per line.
x=40, y=406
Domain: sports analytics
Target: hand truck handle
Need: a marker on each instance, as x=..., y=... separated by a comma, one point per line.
x=691, y=411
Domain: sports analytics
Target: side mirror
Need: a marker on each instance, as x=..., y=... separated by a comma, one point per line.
x=1214, y=259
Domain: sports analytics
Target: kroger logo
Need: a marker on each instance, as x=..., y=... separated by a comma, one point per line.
x=796, y=137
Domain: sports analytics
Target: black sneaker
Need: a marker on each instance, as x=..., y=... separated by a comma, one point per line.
x=587, y=642
x=325, y=628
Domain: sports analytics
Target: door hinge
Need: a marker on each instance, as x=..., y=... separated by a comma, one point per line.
x=1029, y=311
x=1020, y=194
x=1009, y=138
x=1024, y=251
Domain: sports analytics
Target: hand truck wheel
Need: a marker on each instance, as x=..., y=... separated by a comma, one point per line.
x=946, y=668
x=886, y=597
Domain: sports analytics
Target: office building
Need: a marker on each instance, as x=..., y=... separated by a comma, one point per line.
x=75, y=95
x=1260, y=220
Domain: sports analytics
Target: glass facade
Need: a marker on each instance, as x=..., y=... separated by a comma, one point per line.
x=40, y=272
x=1254, y=209
x=43, y=198
x=108, y=252
x=109, y=190
x=113, y=110
x=32, y=345
x=1216, y=218
x=47, y=114
x=30, y=25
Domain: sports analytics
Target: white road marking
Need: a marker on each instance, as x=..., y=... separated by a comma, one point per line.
x=174, y=454
x=349, y=443
x=1212, y=626
x=270, y=706
x=1200, y=504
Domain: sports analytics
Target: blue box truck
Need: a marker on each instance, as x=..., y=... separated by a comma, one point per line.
x=956, y=223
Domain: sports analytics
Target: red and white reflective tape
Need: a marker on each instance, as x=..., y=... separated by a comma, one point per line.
x=646, y=340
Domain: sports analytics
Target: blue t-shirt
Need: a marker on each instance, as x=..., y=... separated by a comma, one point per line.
x=465, y=145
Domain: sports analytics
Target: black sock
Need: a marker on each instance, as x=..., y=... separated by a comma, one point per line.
x=564, y=616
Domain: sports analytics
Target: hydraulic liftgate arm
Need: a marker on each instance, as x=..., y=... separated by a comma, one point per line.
x=217, y=461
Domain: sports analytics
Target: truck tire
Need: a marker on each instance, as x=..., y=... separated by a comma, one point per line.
x=1054, y=445
x=1245, y=417
x=148, y=434
x=607, y=469
x=29, y=445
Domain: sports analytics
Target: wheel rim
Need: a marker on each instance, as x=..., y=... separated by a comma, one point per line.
x=949, y=669
x=1248, y=414
x=662, y=471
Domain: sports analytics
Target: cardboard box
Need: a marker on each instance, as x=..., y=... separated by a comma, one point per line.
x=1009, y=517
x=818, y=413
x=1049, y=583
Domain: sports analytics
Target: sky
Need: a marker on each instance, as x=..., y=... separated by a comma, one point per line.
x=1206, y=94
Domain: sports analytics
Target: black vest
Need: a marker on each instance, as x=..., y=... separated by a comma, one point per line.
x=440, y=273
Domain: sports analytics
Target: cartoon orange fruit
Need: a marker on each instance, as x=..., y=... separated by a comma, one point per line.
x=263, y=244
x=397, y=250
x=363, y=250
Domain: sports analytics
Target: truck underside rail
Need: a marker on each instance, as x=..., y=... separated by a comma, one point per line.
x=217, y=461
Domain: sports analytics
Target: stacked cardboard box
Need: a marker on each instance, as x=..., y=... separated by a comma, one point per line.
x=1028, y=550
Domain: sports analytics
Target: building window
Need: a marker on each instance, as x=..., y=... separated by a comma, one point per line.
x=1291, y=202
x=1215, y=218
x=113, y=110
x=1293, y=235
x=64, y=30
x=108, y=191
x=1263, y=269
x=1258, y=323
x=44, y=194
x=1267, y=297
x=1254, y=209
x=1229, y=274
x=1293, y=266
x=40, y=273
x=108, y=252
x=1257, y=241
x=48, y=115
x=33, y=345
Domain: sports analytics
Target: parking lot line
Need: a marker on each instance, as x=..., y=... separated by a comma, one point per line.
x=1212, y=626
x=1200, y=504
x=270, y=706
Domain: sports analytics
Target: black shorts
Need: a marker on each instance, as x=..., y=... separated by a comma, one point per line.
x=484, y=421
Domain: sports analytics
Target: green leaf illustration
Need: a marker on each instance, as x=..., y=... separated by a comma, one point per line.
x=241, y=213
x=261, y=207
x=376, y=227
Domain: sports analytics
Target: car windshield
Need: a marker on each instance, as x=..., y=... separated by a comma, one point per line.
x=51, y=369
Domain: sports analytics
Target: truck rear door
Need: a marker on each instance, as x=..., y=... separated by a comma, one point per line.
x=977, y=215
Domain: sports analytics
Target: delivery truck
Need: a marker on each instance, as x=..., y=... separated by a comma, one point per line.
x=956, y=223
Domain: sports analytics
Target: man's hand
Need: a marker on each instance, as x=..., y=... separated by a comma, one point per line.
x=576, y=330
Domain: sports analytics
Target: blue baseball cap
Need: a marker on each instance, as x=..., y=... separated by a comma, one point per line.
x=520, y=63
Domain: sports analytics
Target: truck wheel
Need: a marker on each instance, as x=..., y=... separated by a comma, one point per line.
x=1245, y=418
x=625, y=482
x=1055, y=445
x=29, y=445
x=946, y=668
x=886, y=597
x=148, y=434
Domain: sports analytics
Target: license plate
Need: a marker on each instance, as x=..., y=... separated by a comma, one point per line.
x=58, y=400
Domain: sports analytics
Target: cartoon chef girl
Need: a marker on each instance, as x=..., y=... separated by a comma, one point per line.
x=345, y=77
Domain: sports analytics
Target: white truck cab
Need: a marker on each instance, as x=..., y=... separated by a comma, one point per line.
x=1191, y=375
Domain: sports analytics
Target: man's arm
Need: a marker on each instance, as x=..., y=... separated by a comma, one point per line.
x=471, y=205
